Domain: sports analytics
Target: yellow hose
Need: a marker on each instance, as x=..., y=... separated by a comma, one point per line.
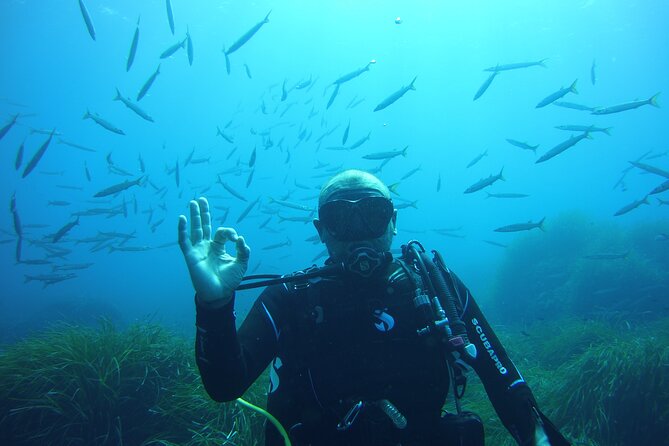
x=269, y=416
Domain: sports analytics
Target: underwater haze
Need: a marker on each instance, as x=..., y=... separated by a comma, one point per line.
x=524, y=140
x=296, y=106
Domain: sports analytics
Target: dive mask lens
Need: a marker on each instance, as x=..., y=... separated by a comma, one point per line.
x=355, y=220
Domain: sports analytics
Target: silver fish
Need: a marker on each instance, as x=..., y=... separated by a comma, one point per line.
x=116, y=188
x=147, y=84
x=482, y=89
x=247, y=35
x=515, y=66
x=173, y=49
x=633, y=205
x=627, y=106
x=522, y=226
x=133, y=48
x=395, y=96
x=132, y=106
x=170, y=15
x=64, y=230
x=562, y=147
x=87, y=19
x=38, y=156
x=485, y=182
x=103, y=123
x=523, y=145
x=477, y=158
x=387, y=155
x=584, y=128
x=557, y=95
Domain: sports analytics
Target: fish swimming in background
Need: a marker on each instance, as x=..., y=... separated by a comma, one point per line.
x=661, y=188
x=223, y=135
x=246, y=36
x=386, y=155
x=410, y=172
x=477, y=158
x=557, y=95
x=170, y=15
x=335, y=92
x=344, y=138
x=303, y=84
x=359, y=142
x=86, y=172
x=7, y=127
x=649, y=168
x=482, y=89
x=506, y=195
x=189, y=157
x=227, y=62
x=64, y=230
x=19, y=156
x=116, y=188
x=284, y=92
x=177, y=178
x=132, y=106
x=174, y=48
x=189, y=47
x=627, y=106
x=248, y=71
x=248, y=209
x=353, y=74
x=522, y=226
x=38, y=156
x=515, y=66
x=593, y=77
x=573, y=106
x=584, y=128
x=562, y=147
x=76, y=146
x=523, y=145
x=103, y=123
x=494, y=243
x=286, y=242
x=485, y=182
x=147, y=84
x=633, y=205
x=252, y=159
x=133, y=48
x=87, y=19
x=232, y=191
x=439, y=183
x=395, y=96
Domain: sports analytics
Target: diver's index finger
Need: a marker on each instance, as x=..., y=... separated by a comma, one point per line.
x=243, y=250
x=230, y=234
x=184, y=243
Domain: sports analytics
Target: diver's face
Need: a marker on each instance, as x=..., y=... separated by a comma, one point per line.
x=354, y=219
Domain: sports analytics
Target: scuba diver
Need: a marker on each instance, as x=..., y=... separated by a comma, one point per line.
x=363, y=350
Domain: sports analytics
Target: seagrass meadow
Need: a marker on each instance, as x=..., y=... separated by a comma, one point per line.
x=77, y=385
x=605, y=385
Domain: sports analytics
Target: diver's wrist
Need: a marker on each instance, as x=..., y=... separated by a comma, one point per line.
x=212, y=302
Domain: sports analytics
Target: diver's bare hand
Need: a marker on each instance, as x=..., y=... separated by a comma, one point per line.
x=215, y=273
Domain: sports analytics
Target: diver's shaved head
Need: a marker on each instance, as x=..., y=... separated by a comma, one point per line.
x=352, y=184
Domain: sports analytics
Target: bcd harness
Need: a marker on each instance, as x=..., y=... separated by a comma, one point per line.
x=436, y=301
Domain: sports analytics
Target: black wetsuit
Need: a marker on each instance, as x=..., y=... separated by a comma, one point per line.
x=342, y=340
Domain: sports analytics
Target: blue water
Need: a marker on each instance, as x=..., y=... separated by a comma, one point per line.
x=52, y=72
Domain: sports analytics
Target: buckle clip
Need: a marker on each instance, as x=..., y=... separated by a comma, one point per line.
x=350, y=416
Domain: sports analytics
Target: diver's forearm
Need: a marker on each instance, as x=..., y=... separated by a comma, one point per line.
x=218, y=353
